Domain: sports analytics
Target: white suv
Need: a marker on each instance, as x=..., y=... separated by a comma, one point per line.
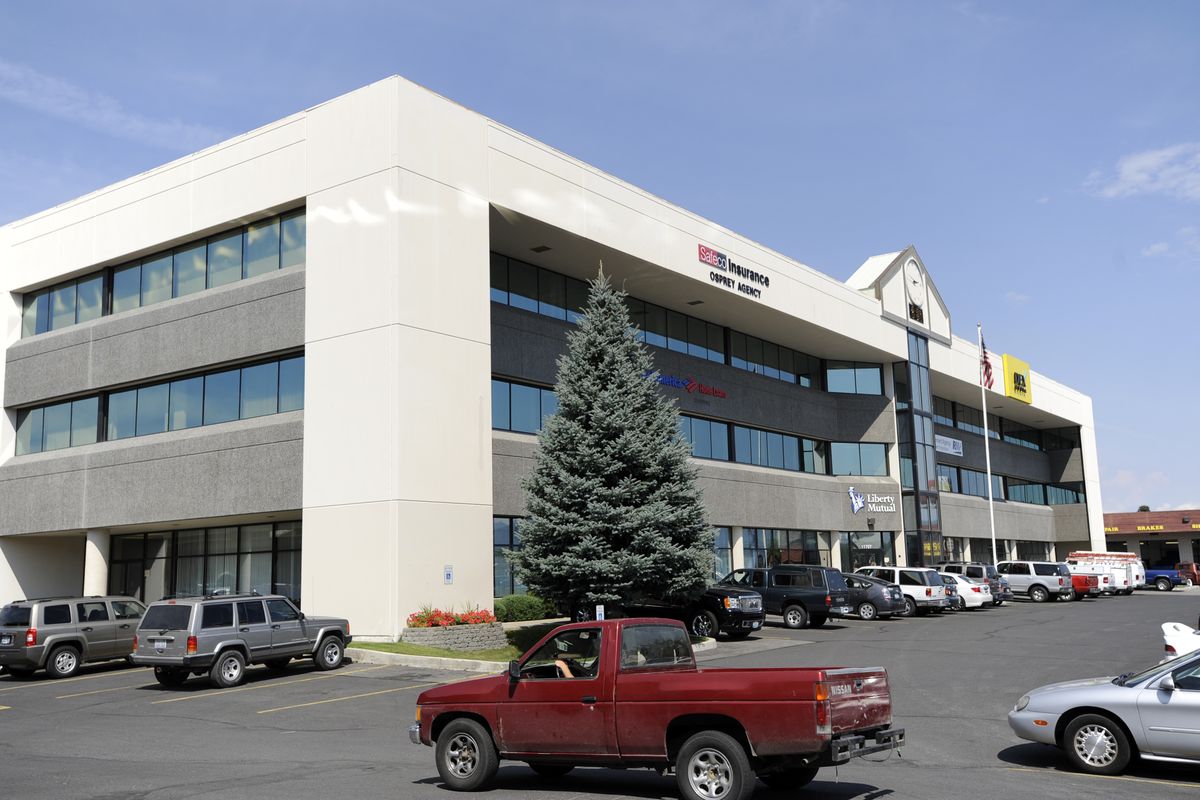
x=923, y=588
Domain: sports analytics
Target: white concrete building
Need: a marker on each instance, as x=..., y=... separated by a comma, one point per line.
x=311, y=359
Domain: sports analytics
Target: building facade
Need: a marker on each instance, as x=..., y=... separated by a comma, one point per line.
x=313, y=359
x=1160, y=538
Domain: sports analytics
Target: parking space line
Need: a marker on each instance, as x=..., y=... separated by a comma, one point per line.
x=102, y=691
x=348, y=697
x=61, y=681
x=268, y=685
x=1177, y=784
x=5, y=708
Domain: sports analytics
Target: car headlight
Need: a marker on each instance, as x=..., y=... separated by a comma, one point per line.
x=1022, y=703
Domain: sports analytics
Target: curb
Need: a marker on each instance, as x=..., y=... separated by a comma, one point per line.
x=363, y=656
x=707, y=644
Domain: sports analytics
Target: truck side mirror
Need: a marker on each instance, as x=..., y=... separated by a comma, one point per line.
x=1167, y=683
x=514, y=670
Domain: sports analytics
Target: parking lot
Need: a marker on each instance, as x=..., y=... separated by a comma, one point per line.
x=115, y=733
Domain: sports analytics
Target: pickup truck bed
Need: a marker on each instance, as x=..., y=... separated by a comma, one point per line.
x=634, y=697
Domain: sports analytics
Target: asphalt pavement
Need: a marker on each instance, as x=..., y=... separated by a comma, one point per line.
x=112, y=732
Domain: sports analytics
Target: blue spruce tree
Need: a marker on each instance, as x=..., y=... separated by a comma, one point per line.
x=614, y=510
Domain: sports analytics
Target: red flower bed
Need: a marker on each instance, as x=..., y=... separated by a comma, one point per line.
x=436, y=618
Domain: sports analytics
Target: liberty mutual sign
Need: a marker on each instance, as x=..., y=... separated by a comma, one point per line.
x=874, y=503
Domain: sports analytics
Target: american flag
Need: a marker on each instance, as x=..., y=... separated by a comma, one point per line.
x=985, y=363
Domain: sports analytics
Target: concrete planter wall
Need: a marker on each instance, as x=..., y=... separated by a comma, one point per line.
x=487, y=636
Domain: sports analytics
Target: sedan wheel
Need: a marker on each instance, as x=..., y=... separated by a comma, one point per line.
x=867, y=611
x=1096, y=744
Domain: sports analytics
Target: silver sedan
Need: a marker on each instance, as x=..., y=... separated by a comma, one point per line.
x=1101, y=723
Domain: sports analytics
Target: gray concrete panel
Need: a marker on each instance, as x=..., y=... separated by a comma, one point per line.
x=734, y=494
x=526, y=346
x=244, y=467
x=230, y=323
x=1066, y=466
x=963, y=515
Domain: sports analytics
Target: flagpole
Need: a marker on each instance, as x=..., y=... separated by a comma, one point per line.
x=987, y=449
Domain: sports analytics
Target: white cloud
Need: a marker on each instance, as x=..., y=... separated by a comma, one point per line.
x=27, y=87
x=1017, y=297
x=1041, y=201
x=1173, y=171
x=1156, y=249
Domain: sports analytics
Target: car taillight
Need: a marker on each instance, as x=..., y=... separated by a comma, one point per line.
x=821, y=695
x=347, y=628
x=30, y=637
x=191, y=645
x=928, y=592
x=828, y=601
x=1170, y=650
x=976, y=589
x=134, y=650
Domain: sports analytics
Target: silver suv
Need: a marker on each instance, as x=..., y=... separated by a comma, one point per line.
x=1041, y=580
x=62, y=633
x=221, y=634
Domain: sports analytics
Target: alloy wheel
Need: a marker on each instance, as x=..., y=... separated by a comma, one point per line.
x=710, y=774
x=1095, y=745
x=462, y=757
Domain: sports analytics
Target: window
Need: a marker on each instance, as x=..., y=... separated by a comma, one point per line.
x=911, y=577
x=767, y=547
x=723, y=550
x=708, y=438
x=56, y=423
x=260, y=390
x=56, y=615
x=853, y=377
x=1026, y=492
x=943, y=412
x=770, y=449
x=1020, y=435
x=862, y=548
x=250, y=612
x=291, y=384
x=975, y=483
x=521, y=408
x=222, y=391
x=858, y=458
x=649, y=646
x=187, y=400
x=92, y=612
x=241, y=253
x=506, y=537
x=947, y=477
x=216, y=615
x=152, y=409
x=578, y=649
x=127, y=609
x=282, y=611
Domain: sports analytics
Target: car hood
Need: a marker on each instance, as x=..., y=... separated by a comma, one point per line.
x=324, y=622
x=488, y=689
x=726, y=590
x=1070, y=686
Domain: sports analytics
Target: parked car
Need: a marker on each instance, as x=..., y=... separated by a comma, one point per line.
x=922, y=587
x=59, y=634
x=220, y=635
x=802, y=594
x=1164, y=577
x=869, y=598
x=970, y=593
x=1038, y=580
x=979, y=571
x=1179, y=639
x=1102, y=574
x=731, y=610
x=1101, y=723
x=1084, y=585
x=646, y=704
x=952, y=598
x=1190, y=572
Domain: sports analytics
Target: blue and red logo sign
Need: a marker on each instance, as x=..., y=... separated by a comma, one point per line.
x=690, y=385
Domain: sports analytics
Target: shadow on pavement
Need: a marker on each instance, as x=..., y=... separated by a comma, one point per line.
x=1040, y=756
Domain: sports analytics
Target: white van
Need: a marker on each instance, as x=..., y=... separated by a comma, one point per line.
x=1126, y=569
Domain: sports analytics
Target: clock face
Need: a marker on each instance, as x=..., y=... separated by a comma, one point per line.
x=914, y=283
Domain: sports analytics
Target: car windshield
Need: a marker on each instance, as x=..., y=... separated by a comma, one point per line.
x=739, y=577
x=166, y=618
x=14, y=617
x=1134, y=678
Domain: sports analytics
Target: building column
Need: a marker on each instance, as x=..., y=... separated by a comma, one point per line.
x=1186, y=550
x=95, y=563
x=737, y=556
x=835, y=550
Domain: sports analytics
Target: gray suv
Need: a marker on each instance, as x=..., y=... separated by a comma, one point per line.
x=62, y=633
x=221, y=634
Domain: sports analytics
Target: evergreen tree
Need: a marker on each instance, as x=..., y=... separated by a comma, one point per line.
x=614, y=510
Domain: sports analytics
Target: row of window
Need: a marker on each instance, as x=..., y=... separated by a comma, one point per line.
x=241, y=393
x=960, y=480
x=532, y=288
x=263, y=558
x=966, y=418
x=766, y=547
x=244, y=252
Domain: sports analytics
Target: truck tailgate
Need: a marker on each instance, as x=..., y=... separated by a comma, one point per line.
x=859, y=699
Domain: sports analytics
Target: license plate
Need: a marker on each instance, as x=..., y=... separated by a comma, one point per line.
x=6, y=640
x=160, y=647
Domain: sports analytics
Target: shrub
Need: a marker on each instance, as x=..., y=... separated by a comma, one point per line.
x=522, y=607
x=429, y=617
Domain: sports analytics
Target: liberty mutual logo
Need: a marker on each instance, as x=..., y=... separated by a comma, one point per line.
x=856, y=500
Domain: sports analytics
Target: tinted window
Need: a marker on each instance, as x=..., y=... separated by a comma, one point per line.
x=29, y=431
x=14, y=617
x=225, y=260
x=166, y=618
x=88, y=298
x=92, y=612
x=911, y=577
x=291, y=384
x=645, y=646
x=281, y=611
x=836, y=579
x=262, y=248
x=56, y=423
x=1051, y=569
x=260, y=390
x=127, y=288
x=251, y=612
x=56, y=615
x=85, y=421
x=62, y=306
x=187, y=400
x=122, y=414
x=152, y=406
x=292, y=235
x=156, y=280
x=221, y=396
x=216, y=615
x=189, y=270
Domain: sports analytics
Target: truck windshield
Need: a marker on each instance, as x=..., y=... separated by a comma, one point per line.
x=166, y=618
x=14, y=617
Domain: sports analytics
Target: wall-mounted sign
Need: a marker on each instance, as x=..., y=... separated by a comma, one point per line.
x=875, y=503
x=1142, y=528
x=731, y=275
x=690, y=385
x=1016, y=379
x=1196, y=526
x=948, y=445
x=1111, y=529
x=448, y=574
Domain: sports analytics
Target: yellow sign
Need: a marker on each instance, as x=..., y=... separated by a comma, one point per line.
x=1016, y=379
x=1149, y=527
x=1112, y=529
x=1195, y=526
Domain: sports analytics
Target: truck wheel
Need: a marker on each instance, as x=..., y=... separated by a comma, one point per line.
x=228, y=670
x=910, y=607
x=1038, y=594
x=713, y=766
x=795, y=617
x=1163, y=584
x=1077, y=595
x=796, y=778
x=1096, y=744
x=866, y=611
x=466, y=756
x=703, y=623
x=550, y=770
x=329, y=653
x=170, y=677
x=63, y=662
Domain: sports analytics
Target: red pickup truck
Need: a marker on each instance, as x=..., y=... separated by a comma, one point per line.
x=627, y=693
x=1084, y=585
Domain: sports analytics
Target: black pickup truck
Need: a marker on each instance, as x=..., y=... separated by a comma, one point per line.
x=802, y=594
x=731, y=610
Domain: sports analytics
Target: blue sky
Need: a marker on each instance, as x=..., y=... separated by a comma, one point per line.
x=1043, y=157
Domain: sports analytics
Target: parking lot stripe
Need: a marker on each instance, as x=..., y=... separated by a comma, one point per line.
x=5, y=708
x=348, y=697
x=102, y=691
x=1106, y=777
x=61, y=681
x=268, y=685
